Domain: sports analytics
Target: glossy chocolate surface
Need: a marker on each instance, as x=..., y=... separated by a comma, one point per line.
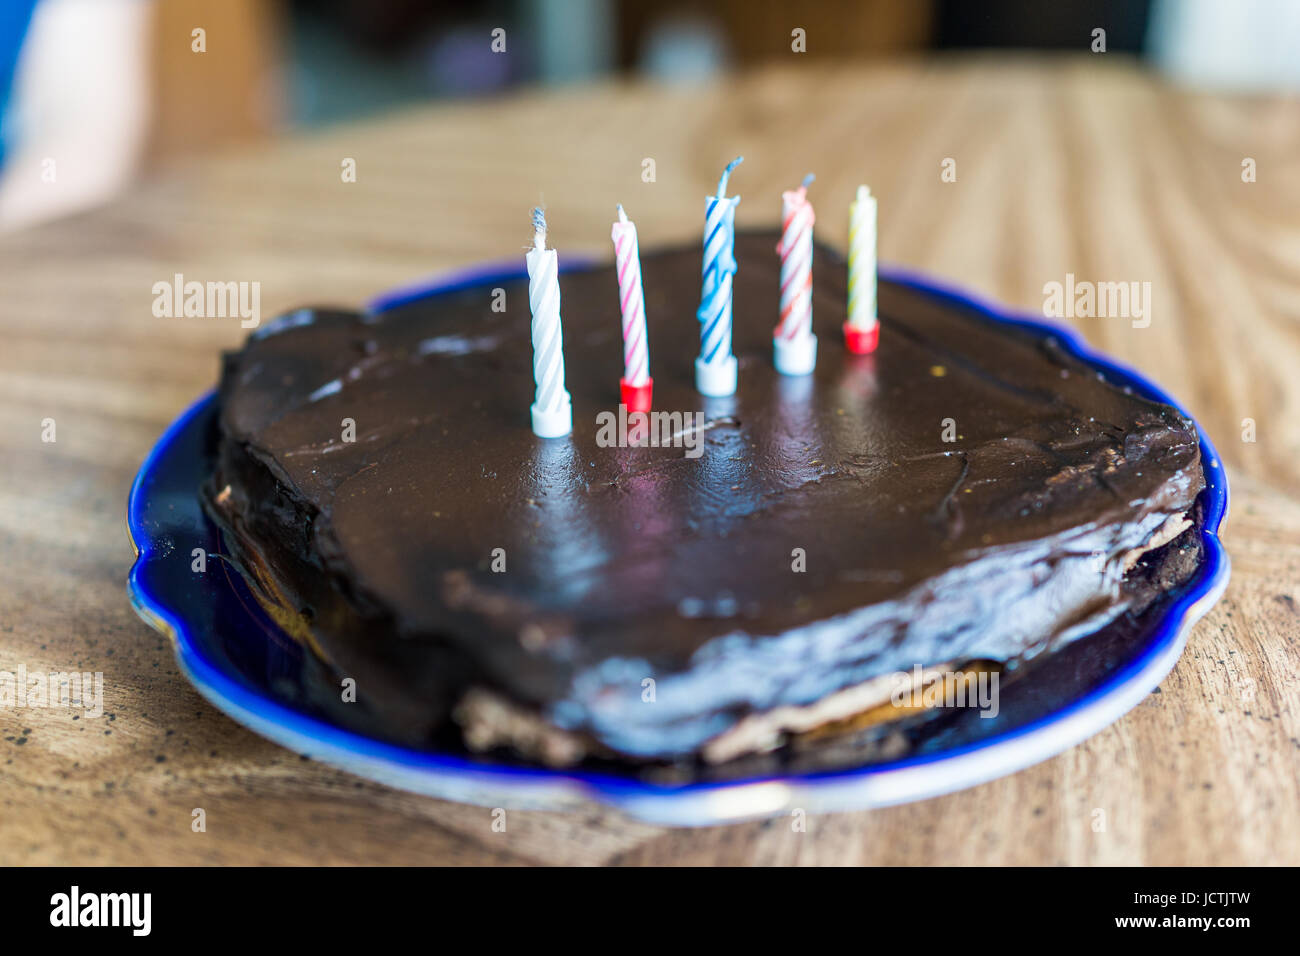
x=630, y=563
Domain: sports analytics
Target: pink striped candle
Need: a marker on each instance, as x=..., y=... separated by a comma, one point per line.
x=636, y=386
x=793, y=342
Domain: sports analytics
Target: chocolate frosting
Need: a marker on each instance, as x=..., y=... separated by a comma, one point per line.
x=827, y=533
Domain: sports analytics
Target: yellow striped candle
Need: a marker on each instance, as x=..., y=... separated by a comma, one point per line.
x=862, y=330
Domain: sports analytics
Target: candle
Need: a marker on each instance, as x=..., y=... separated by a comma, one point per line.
x=715, y=368
x=793, y=341
x=552, y=410
x=636, y=386
x=862, y=330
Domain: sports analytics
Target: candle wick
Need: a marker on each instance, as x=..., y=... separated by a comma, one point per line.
x=807, y=181
x=539, y=228
x=622, y=216
x=722, y=183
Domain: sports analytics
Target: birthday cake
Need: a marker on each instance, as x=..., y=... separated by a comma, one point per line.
x=753, y=574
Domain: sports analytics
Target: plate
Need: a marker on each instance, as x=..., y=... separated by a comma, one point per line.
x=244, y=665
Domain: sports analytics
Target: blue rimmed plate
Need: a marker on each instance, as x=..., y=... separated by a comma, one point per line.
x=241, y=662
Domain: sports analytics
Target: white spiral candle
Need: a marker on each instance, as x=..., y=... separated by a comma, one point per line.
x=794, y=343
x=552, y=410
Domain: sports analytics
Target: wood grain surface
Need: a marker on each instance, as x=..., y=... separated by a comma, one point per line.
x=1084, y=166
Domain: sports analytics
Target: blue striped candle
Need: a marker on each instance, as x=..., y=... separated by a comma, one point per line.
x=715, y=369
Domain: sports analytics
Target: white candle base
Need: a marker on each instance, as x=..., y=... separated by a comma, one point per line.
x=795, y=357
x=553, y=423
x=716, y=380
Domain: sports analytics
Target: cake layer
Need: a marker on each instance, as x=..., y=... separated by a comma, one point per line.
x=968, y=492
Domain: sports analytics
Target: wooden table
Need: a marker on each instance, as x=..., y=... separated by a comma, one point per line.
x=1080, y=166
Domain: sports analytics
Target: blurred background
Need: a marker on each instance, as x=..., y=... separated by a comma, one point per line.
x=115, y=88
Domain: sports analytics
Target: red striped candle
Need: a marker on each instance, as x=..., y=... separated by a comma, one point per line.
x=636, y=385
x=793, y=342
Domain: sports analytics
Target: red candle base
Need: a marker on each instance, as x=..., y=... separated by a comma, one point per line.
x=636, y=397
x=861, y=341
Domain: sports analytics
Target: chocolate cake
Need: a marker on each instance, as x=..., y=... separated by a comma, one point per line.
x=968, y=496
